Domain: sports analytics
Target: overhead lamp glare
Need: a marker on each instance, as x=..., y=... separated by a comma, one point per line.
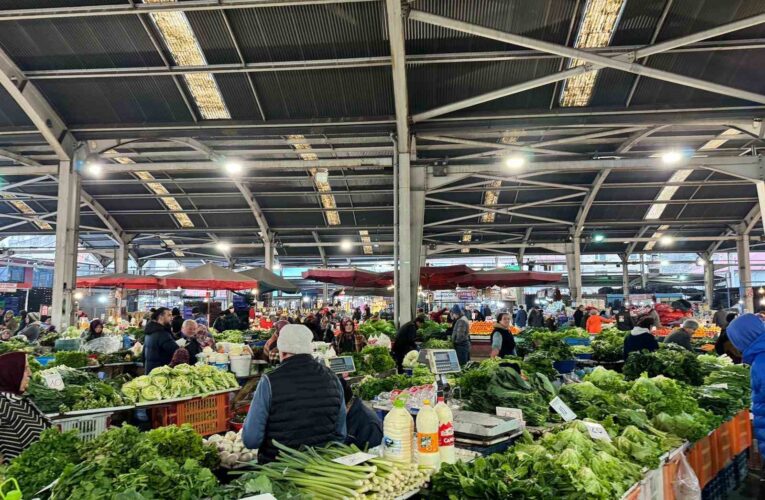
x=515, y=162
x=346, y=245
x=222, y=246
x=672, y=157
x=666, y=240
x=233, y=167
x=598, y=237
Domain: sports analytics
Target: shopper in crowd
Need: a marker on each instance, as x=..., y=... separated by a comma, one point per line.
x=356, y=316
x=579, y=317
x=460, y=334
x=520, y=317
x=326, y=333
x=159, y=344
x=271, y=348
x=438, y=315
x=204, y=337
x=747, y=333
x=405, y=340
x=723, y=345
x=721, y=318
x=33, y=329
x=200, y=318
x=536, y=318
x=640, y=338
x=682, y=336
x=550, y=323
x=562, y=318
x=176, y=323
x=21, y=422
x=95, y=330
x=367, y=312
x=624, y=319
x=2, y=316
x=23, y=321
x=189, y=333
x=363, y=426
x=231, y=320
x=11, y=323
x=219, y=323
x=349, y=341
x=300, y=403
x=502, y=341
x=654, y=315
x=594, y=322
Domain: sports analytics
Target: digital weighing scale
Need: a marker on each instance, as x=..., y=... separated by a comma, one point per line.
x=440, y=362
x=341, y=364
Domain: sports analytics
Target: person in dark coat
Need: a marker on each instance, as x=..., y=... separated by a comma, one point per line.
x=405, y=340
x=624, y=319
x=95, y=330
x=356, y=314
x=521, y=317
x=502, y=341
x=325, y=331
x=177, y=322
x=536, y=318
x=640, y=338
x=579, y=317
x=682, y=336
x=190, y=332
x=367, y=312
x=231, y=321
x=362, y=424
x=747, y=333
x=23, y=321
x=159, y=344
x=219, y=324
x=724, y=345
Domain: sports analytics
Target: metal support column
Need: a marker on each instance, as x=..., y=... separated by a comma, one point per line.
x=709, y=281
x=573, y=266
x=643, y=274
x=744, y=273
x=121, y=255
x=625, y=279
x=269, y=253
x=67, y=229
x=407, y=286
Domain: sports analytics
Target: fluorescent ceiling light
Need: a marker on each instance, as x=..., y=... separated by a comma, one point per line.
x=367, y=247
x=181, y=268
x=595, y=30
x=25, y=209
x=320, y=178
x=658, y=234
x=672, y=157
x=171, y=245
x=233, y=167
x=183, y=45
x=467, y=237
x=667, y=192
x=667, y=240
x=170, y=202
x=490, y=198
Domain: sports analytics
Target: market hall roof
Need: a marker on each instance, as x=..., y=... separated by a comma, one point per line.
x=307, y=86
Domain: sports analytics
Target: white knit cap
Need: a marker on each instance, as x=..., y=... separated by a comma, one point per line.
x=295, y=339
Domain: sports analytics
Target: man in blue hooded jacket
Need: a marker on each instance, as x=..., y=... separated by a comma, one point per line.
x=747, y=332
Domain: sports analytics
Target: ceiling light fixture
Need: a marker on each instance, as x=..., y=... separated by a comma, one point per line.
x=346, y=245
x=222, y=246
x=233, y=167
x=181, y=268
x=666, y=240
x=515, y=162
x=599, y=237
x=672, y=157
x=700, y=262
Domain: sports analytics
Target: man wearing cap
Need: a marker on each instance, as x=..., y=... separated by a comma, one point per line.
x=299, y=403
x=682, y=336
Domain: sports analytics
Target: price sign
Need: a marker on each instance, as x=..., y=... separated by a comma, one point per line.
x=515, y=413
x=562, y=409
x=354, y=459
x=720, y=386
x=597, y=431
x=53, y=380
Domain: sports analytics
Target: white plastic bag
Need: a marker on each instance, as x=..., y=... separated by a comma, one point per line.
x=686, y=484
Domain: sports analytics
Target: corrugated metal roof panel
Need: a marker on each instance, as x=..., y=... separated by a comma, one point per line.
x=690, y=16
x=238, y=96
x=213, y=37
x=45, y=4
x=78, y=43
x=326, y=93
x=435, y=85
x=543, y=19
x=311, y=31
x=10, y=113
x=116, y=100
x=638, y=22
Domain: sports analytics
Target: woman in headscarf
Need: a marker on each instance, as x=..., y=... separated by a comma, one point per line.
x=21, y=422
x=348, y=341
x=11, y=323
x=95, y=330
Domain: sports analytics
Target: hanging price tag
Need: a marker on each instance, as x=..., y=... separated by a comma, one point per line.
x=562, y=409
x=597, y=431
x=515, y=413
x=53, y=380
x=354, y=459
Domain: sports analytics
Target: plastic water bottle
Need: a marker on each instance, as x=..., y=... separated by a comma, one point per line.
x=445, y=432
x=398, y=428
x=427, y=436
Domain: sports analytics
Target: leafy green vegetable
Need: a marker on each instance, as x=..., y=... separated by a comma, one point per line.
x=72, y=359
x=670, y=360
x=183, y=380
x=232, y=336
x=608, y=345
x=371, y=386
x=369, y=328
x=373, y=359
x=82, y=391
x=553, y=344
x=437, y=344
x=432, y=330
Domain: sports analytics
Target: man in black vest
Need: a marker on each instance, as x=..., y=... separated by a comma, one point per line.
x=299, y=404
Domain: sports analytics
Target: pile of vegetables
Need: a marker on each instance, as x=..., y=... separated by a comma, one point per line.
x=232, y=336
x=231, y=449
x=49, y=339
x=183, y=380
x=258, y=334
x=122, y=356
x=15, y=345
x=376, y=327
x=669, y=315
x=72, y=359
x=726, y=391
x=72, y=332
x=82, y=391
x=437, y=344
x=432, y=330
x=314, y=475
x=373, y=359
x=669, y=360
x=169, y=462
x=567, y=464
x=609, y=345
x=553, y=344
x=136, y=332
x=369, y=387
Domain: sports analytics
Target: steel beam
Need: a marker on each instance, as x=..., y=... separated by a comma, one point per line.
x=593, y=61
x=67, y=229
x=574, y=270
x=746, y=294
x=636, y=138
x=581, y=217
x=496, y=146
x=206, y=166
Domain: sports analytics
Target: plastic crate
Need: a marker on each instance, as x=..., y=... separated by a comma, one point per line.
x=89, y=426
x=741, y=467
x=632, y=493
x=576, y=341
x=566, y=366
x=208, y=415
x=68, y=344
x=741, y=432
x=701, y=457
x=652, y=486
x=723, y=444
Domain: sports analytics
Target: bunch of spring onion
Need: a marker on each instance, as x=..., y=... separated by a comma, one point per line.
x=316, y=475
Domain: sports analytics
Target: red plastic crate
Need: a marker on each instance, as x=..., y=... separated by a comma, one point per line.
x=723, y=445
x=702, y=460
x=208, y=415
x=741, y=432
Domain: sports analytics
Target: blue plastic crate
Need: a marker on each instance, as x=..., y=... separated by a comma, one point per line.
x=576, y=341
x=44, y=360
x=584, y=355
x=566, y=366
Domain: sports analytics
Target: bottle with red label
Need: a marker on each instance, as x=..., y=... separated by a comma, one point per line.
x=445, y=432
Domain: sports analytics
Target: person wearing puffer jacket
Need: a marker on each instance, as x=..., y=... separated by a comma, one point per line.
x=747, y=332
x=460, y=334
x=640, y=338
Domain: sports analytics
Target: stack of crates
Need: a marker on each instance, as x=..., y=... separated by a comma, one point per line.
x=88, y=426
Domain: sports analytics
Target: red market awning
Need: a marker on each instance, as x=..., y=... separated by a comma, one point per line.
x=120, y=280
x=350, y=277
x=209, y=277
x=486, y=279
x=437, y=277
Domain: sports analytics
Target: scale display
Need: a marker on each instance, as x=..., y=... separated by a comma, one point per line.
x=341, y=364
x=443, y=361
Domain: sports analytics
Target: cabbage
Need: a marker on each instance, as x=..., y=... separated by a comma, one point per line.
x=141, y=382
x=151, y=393
x=410, y=360
x=131, y=393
